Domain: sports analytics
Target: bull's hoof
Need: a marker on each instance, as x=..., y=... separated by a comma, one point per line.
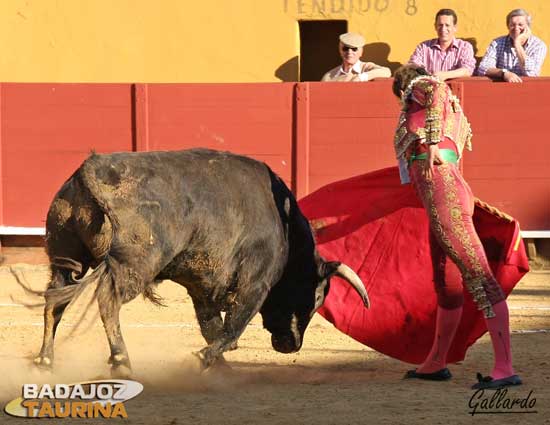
x=202, y=363
x=208, y=363
x=121, y=372
x=120, y=366
x=43, y=362
x=204, y=360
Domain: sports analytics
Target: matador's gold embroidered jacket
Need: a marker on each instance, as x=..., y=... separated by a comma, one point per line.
x=430, y=113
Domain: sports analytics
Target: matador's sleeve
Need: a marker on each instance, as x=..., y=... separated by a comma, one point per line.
x=431, y=95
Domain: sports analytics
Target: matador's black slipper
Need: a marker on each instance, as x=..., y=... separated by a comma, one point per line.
x=440, y=375
x=488, y=383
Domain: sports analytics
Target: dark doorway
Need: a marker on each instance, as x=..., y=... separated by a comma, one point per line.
x=319, y=47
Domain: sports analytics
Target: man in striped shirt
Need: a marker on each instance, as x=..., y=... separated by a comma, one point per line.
x=445, y=56
x=517, y=54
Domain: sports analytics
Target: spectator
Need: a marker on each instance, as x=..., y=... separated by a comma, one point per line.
x=352, y=68
x=445, y=57
x=517, y=54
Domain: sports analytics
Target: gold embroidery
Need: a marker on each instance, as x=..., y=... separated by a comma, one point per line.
x=403, y=139
x=434, y=112
x=436, y=221
x=472, y=272
x=474, y=283
x=400, y=133
x=443, y=116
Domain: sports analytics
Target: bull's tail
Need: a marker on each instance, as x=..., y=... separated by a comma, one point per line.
x=150, y=294
x=58, y=296
x=70, y=293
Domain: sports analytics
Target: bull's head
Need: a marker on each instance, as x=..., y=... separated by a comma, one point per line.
x=291, y=304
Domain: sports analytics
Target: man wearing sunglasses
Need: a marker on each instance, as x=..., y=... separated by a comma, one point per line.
x=352, y=68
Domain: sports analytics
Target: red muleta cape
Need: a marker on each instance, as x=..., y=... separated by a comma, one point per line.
x=378, y=227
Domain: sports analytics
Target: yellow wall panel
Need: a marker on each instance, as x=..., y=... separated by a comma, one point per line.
x=218, y=40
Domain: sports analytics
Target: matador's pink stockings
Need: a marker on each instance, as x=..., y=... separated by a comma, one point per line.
x=446, y=324
x=499, y=329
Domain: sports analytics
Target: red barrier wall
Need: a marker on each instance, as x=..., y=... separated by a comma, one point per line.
x=46, y=132
x=509, y=165
x=309, y=133
x=250, y=119
x=351, y=130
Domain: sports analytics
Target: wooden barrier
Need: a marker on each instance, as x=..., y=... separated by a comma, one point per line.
x=309, y=133
x=509, y=166
x=250, y=119
x=47, y=130
x=351, y=130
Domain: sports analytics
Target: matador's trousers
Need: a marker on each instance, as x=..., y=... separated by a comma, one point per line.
x=449, y=203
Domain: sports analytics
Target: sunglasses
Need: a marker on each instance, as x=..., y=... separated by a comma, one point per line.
x=346, y=48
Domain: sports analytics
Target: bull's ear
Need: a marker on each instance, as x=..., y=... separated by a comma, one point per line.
x=328, y=268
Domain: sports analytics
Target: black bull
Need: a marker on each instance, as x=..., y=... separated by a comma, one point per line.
x=223, y=226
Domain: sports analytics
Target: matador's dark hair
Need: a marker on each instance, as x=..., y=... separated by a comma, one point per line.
x=404, y=75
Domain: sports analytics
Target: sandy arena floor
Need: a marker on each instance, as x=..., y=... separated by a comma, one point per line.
x=332, y=380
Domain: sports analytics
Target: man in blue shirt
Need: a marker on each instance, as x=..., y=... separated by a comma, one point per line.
x=517, y=54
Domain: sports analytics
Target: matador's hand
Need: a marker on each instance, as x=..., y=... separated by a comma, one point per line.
x=434, y=158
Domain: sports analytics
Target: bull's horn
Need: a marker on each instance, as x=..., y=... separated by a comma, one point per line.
x=348, y=274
